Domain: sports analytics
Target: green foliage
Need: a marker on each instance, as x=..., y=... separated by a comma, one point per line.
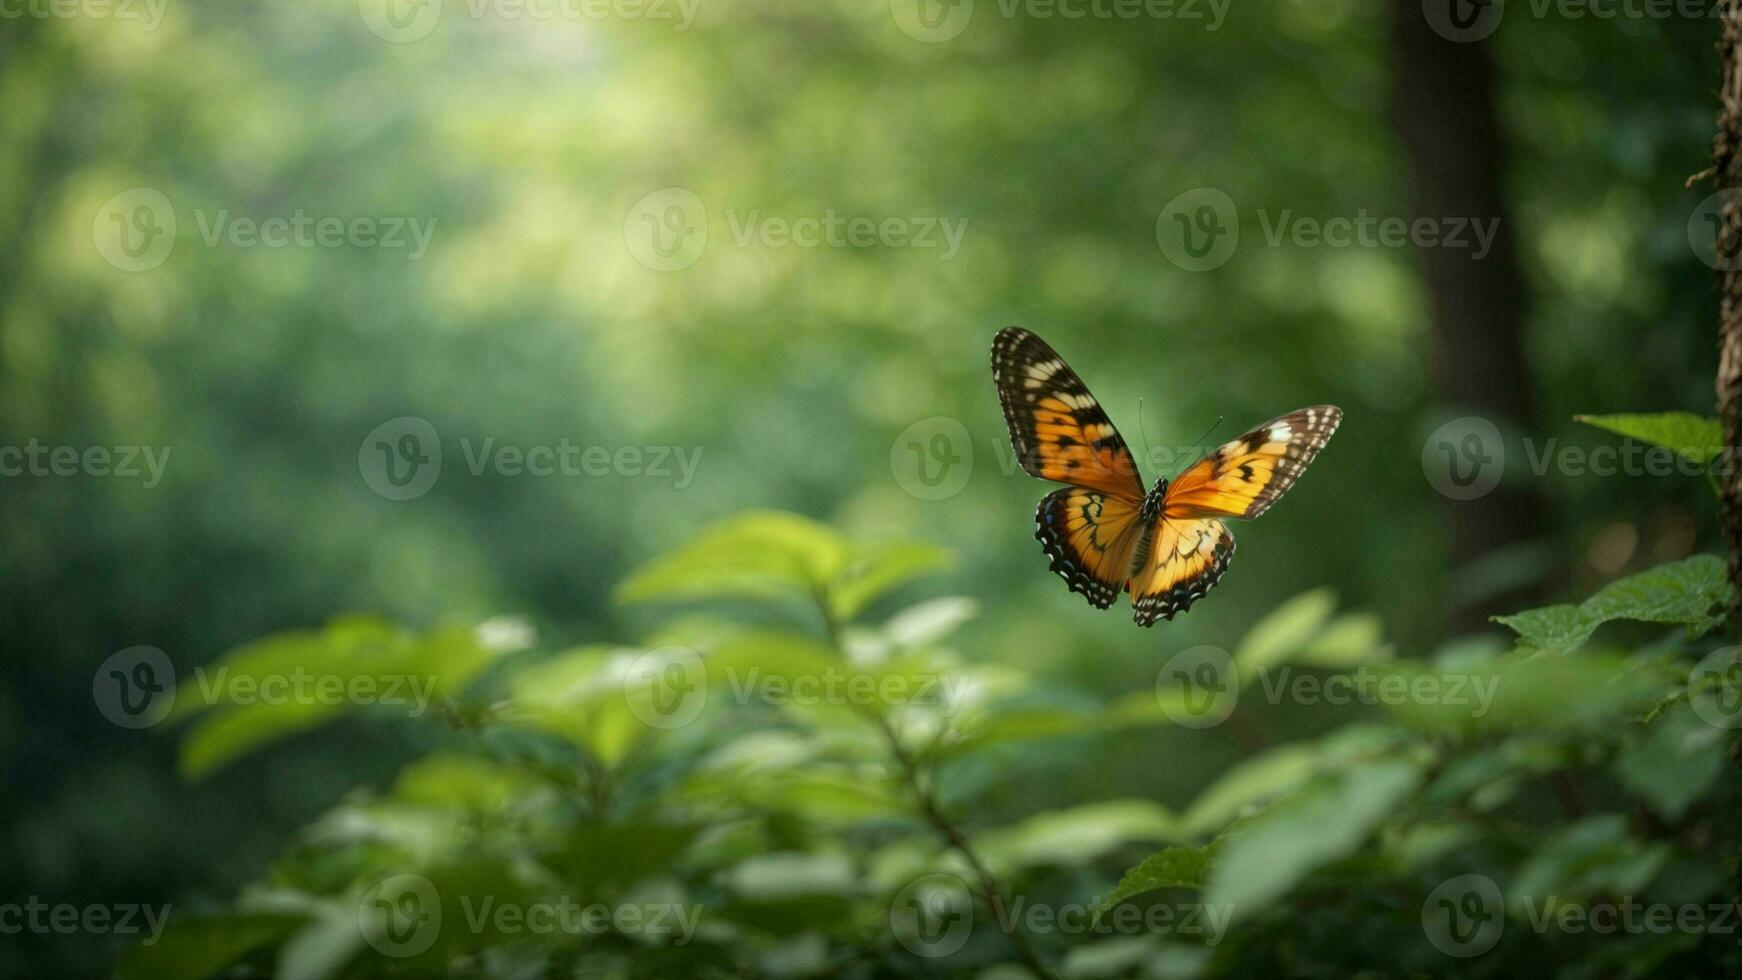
x=1693, y=437
x=1692, y=592
x=793, y=775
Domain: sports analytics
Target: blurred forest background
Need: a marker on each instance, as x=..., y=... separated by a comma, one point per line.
x=527, y=144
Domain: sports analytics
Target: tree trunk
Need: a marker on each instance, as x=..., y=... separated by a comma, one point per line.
x=1443, y=109
x=1727, y=160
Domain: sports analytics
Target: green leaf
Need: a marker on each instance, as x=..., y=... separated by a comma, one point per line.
x=1350, y=639
x=1262, y=777
x=1516, y=693
x=292, y=682
x=1020, y=724
x=598, y=697
x=1326, y=820
x=757, y=555
x=1693, y=437
x=1593, y=856
x=1676, y=762
x=1551, y=629
x=322, y=947
x=1172, y=867
x=773, y=554
x=1691, y=592
x=1286, y=630
x=202, y=947
x=457, y=781
x=876, y=571
x=930, y=621
x=1077, y=835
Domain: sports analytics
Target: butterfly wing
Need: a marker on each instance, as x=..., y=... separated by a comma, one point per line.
x=1182, y=559
x=1244, y=477
x=1091, y=538
x=1058, y=429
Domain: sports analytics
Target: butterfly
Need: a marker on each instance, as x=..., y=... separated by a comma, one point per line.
x=1104, y=534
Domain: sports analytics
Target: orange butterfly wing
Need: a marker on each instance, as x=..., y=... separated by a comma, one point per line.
x=1180, y=561
x=1091, y=538
x=1244, y=477
x=1058, y=429
x=1100, y=532
x=1060, y=432
x=1185, y=553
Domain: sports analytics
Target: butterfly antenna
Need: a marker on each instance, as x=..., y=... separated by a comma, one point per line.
x=1142, y=434
x=1200, y=441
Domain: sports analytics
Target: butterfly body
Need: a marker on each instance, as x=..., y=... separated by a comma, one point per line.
x=1103, y=533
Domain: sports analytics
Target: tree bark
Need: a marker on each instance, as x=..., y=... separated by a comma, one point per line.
x=1727, y=171
x=1443, y=108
